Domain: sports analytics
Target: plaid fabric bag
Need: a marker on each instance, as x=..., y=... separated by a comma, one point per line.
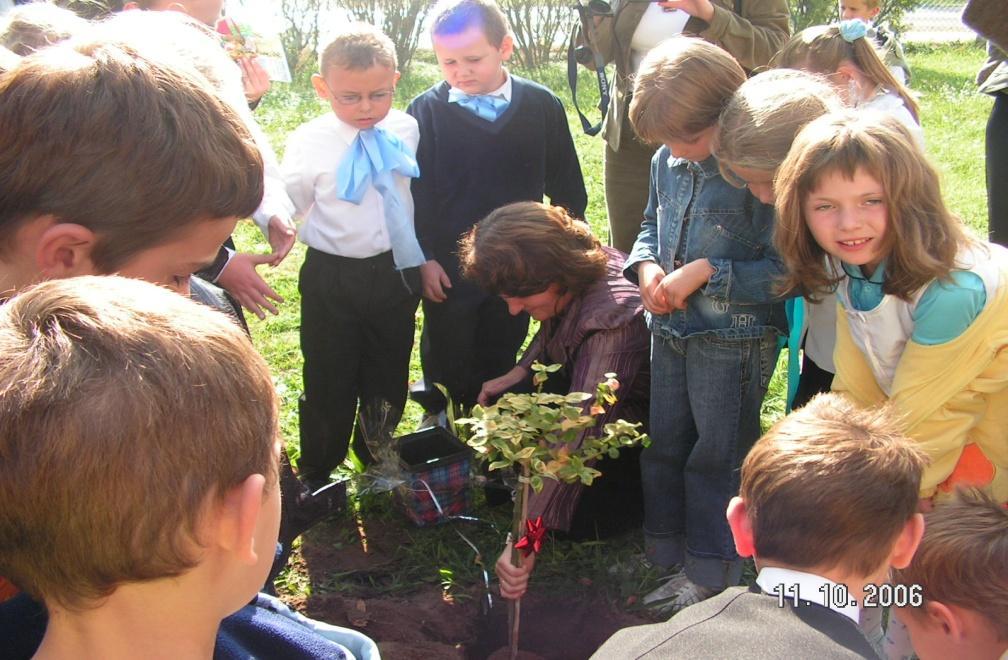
x=436, y=467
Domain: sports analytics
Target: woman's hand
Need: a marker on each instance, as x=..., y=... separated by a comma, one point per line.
x=650, y=276
x=702, y=9
x=497, y=386
x=255, y=80
x=513, y=579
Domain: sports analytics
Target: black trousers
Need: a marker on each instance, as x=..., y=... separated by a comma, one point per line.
x=467, y=340
x=357, y=322
x=814, y=380
x=997, y=169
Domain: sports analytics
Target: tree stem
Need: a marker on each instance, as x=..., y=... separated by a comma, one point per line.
x=517, y=531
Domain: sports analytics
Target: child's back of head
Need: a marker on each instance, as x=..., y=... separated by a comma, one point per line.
x=28, y=28
x=831, y=487
x=127, y=413
x=760, y=121
x=961, y=571
x=134, y=150
x=681, y=87
x=828, y=49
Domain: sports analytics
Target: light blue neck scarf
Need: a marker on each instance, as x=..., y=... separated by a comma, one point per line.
x=373, y=159
x=484, y=106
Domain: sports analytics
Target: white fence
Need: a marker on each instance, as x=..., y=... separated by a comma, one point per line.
x=937, y=21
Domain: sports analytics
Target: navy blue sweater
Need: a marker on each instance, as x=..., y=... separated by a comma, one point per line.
x=469, y=166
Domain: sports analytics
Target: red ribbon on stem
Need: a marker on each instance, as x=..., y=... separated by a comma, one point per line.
x=535, y=532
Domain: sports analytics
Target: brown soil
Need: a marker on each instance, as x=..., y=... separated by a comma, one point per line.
x=423, y=624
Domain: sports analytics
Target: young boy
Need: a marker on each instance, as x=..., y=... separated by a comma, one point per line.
x=140, y=476
x=158, y=200
x=234, y=271
x=960, y=573
x=487, y=138
x=154, y=203
x=889, y=47
x=828, y=503
x=348, y=174
x=706, y=267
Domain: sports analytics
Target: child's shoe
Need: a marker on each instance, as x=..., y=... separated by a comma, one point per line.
x=664, y=595
x=690, y=593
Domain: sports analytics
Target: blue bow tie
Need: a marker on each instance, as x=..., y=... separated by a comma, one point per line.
x=484, y=106
x=372, y=159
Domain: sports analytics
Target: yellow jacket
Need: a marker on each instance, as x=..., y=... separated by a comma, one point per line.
x=953, y=398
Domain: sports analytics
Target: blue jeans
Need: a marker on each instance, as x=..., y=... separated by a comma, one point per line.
x=706, y=394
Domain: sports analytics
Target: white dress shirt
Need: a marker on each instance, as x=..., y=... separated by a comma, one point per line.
x=332, y=225
x=809, y=587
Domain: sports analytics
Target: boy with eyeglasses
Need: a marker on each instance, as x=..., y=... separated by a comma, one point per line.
x=348, y=174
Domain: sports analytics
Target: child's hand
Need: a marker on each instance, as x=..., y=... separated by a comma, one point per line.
x=255, y=80
x=513, y=579
x=680, y=284
x=242, y=281
x=650, y=275
x=495, y=386
x=281, y=239
x=434, y=280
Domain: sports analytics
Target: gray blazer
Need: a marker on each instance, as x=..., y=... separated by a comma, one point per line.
x=743, y=624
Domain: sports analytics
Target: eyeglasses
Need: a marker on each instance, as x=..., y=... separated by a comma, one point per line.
x=374, y=97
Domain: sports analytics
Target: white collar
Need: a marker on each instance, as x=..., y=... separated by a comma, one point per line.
x=809, y=587
x=504, y=91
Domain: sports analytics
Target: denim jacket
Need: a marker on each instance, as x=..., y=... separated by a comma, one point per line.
x=726, y=225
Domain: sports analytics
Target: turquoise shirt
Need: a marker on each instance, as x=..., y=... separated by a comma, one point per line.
x=944, y=311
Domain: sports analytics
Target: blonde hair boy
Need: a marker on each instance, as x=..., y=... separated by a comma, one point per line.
x=961, y=568
x=139, y=472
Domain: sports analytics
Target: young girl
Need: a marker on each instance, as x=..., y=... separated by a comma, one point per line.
x=847, y=57
x=706, y=268
x=923, y=316
x=755, y=132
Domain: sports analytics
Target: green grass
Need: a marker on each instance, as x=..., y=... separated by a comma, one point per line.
x=953, y=116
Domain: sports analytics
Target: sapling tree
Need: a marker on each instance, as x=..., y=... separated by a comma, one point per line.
x=542, y=436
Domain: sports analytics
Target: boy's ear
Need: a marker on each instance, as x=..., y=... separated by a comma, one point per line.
x=873, y=12
x=130, y=6
x=941, y=615
x=63, y=249
x=507, y=47
x=238, y=516
x=741, y=528
x=318, y=82
x=907, y=541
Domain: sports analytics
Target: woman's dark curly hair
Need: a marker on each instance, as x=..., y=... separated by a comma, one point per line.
x=522, y=248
